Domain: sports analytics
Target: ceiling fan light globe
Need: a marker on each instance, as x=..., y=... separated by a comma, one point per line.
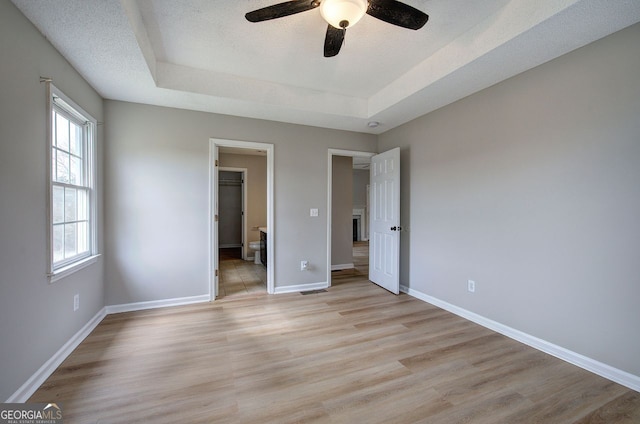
x=335, y=12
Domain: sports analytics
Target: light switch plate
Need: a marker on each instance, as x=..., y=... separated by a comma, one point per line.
x=313, y=212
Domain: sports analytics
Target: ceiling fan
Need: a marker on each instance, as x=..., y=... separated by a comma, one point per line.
x=341, y=14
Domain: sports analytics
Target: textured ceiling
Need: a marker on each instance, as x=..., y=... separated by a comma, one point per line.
x=203, y=55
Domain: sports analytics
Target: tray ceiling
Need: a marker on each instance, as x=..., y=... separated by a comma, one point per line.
x=203, y=55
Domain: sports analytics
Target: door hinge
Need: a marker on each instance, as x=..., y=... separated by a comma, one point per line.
x=216, y=162
x=215, y=218
x=216, y=272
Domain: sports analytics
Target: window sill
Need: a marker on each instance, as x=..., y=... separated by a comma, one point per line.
x=70, y=269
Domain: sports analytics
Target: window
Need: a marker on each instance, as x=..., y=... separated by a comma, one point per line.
x=72, y=215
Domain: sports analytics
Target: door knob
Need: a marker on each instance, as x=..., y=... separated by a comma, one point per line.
x=398, y=228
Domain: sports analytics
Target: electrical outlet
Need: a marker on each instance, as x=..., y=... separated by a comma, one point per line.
x=304, y=265
x=76, y=302
x=313, y=212
x=471, y=286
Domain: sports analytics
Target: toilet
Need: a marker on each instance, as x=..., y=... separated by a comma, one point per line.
x=255, y=246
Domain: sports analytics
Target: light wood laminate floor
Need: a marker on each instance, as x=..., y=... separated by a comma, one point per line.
x=353, y=354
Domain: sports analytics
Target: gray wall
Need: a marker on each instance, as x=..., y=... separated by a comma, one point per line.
x=532, y=189
x=360, y=183
x=36, y=318
x=156, y=197
x=342, y=211
x=256, y=208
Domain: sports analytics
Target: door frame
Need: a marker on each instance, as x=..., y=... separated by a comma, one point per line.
x=244, y=172
x=331, y=154
x=214, y=144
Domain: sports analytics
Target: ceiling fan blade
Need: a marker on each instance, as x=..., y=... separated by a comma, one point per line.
x=397, y=13
x=281, y=9
x=333, y=41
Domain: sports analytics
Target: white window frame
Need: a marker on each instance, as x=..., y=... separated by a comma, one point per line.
x=57, y=100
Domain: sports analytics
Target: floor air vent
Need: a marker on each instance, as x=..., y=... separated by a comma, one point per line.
x=314, y=291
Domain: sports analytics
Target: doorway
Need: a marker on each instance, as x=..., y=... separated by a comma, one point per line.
x=352, y=222
x=232, y=196
x=240, y=147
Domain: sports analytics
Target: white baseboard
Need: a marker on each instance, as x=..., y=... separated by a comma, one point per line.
x=614, y=374
x=342, y=266
x=301, y=287
x=39, y=377
x=152, y=304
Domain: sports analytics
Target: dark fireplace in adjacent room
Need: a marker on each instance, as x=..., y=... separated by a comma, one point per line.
x=356, y=228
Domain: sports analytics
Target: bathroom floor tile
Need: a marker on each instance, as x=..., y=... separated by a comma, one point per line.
x=238, y=277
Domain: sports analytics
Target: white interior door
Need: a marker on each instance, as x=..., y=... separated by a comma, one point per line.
x=384, y=230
